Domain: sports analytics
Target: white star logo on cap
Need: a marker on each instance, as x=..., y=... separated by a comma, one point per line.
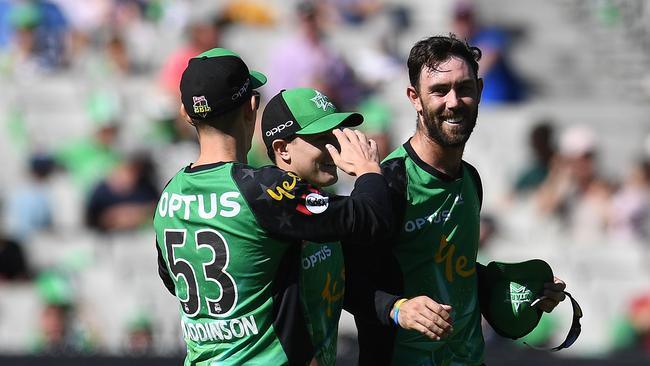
x=321, y=101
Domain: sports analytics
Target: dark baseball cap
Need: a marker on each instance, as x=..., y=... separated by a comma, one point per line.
x=508, y=293
x=215, y=82
x=302, y=111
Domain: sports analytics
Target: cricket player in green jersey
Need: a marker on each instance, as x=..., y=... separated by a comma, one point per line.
x=229, y=236
x=297, y=126
x=437, y=199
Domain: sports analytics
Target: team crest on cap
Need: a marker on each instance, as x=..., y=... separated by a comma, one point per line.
x=321, y=101
x=519, y=295
x=201, y=106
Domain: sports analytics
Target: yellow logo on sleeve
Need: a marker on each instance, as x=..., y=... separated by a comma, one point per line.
x=284, y=189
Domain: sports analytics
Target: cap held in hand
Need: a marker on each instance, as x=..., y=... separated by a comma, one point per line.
x=508, y=292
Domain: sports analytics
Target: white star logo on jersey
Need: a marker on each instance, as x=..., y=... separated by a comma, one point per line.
x=321, y=101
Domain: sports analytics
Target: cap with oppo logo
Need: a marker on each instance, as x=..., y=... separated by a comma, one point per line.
x=215, y=82
x=302, y=111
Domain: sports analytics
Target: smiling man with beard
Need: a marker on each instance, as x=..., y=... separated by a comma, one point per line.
x=436, y=198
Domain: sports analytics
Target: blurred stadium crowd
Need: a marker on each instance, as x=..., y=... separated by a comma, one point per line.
x=89, y=135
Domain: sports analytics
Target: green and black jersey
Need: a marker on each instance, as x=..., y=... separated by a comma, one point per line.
x=432, y=251
x=253, y=257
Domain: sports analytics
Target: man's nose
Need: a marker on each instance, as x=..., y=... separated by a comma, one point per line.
x=451, y=100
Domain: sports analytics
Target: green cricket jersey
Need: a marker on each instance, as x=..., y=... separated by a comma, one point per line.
x=322, y=285
x=431, y=252
x=253, y=258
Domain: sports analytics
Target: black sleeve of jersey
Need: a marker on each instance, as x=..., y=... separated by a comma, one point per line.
x=163, y=272
x=366, y=267
x=291, y=209
x=483, y=293
x=364, y=299
x=477, y=181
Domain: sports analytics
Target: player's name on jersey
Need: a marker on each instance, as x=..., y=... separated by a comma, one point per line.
x=220, y=330
x=204, y=205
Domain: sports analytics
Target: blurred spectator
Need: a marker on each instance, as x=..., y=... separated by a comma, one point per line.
x=90, y=159
x=108, y=64
x=305, y=59
x=29, y=209
x=541, y=144
x=20, y=57
x=630, y=212
x=140, y=336
x=13, y=265
x=376, y=125
x=5, y=24
x=125, y=200
x=128, y=19
x=355, y=12
x=638, y=317
x=500, y=82
x=249, y=12
x=41, y=35
x=203, y=34
x=59, y=334
x=377, y=117
x=574, y=189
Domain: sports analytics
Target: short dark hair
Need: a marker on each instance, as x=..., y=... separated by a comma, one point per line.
x=224, y=122
x=434, y=50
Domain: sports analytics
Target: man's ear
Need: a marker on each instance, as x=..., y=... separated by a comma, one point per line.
x=280, y=148
x=414, y=98
x=251, y=109
x=184, y=115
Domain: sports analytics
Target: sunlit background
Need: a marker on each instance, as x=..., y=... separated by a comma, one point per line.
x=89, y=136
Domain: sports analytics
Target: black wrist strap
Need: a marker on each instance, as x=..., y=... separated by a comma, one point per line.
x=574, y=332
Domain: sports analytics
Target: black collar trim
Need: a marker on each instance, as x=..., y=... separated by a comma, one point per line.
x=426, y=167
x=200, y=168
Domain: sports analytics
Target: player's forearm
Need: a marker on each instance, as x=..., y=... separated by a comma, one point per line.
x=363, y=300
x=371, y=209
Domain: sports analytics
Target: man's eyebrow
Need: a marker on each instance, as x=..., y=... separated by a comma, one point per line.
x=466, y=81
x=442, y=85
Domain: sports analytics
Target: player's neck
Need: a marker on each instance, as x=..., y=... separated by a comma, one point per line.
x=219, y=147
x=447, y=160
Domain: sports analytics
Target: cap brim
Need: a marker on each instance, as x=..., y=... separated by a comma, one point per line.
x=257, y=79
x=332, y=121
